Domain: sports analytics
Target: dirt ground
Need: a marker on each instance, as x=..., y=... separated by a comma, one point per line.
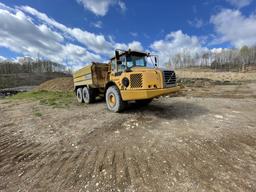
x=192, y=142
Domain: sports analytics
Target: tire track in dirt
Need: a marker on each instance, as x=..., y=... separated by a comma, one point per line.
x=11, y=151
x=137, y=181
x=122, y=174
x=37, y=159
x=107, y=171
x=82, y=172
x=42, y=171
x=69, y=165
x=12, y=162
x=76, y=174
x=59, y=160
x=97, y=168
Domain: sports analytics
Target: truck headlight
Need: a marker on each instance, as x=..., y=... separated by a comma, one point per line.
x=125, y=82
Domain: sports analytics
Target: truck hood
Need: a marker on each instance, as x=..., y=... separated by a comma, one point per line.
x=142, y=69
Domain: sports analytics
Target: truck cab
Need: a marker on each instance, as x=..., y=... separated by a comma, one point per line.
x=128, y=60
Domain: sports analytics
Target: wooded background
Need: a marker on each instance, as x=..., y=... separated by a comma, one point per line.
x=8, y=67
x=237, y=60
x=31, y=73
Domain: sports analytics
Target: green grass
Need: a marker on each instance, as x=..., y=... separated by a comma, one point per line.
x=49, y=98
x=38, y=114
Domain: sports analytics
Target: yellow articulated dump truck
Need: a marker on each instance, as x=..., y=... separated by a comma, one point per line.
x=127, y=77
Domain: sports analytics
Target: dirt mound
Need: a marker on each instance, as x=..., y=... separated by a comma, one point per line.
x=58, y=84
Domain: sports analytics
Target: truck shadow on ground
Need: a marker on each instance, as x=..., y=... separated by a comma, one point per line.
x=175, y=110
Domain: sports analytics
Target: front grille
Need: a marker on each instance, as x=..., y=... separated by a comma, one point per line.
x=169, y=78
x=136, y=80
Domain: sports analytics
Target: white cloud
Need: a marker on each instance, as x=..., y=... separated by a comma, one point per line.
x=19, y=34
x=18, y=31
x=122, y=6
x=233, y=27
x=134, y=34
x=3, y=6
x=2, y=58
x=197, y=23
x=177, y=42
x=217, y=50
x=74, y=52
x=135, y=45
x=101, y=7
x=30, y=32
x=96, y=43
x=98, y=24
x=239, y=3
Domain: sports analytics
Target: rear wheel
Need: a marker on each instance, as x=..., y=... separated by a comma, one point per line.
x=143, y=102
x=79, y=95
x=88, y=95
x=114, y=100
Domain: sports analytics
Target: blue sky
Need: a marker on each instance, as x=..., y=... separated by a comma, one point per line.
x=79, y=31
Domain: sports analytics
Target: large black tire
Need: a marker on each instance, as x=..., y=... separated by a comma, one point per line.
x=79, y=95
x=88, y=95
x=143, y=102
x=114, y=100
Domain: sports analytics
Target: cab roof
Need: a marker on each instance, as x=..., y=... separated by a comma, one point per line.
x=134, y=53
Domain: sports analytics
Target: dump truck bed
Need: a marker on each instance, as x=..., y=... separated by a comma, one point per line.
x=94, y=75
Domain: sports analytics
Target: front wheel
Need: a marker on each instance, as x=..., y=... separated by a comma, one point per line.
x=114, y=100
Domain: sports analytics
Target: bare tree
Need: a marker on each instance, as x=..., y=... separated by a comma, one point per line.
x=238, y=60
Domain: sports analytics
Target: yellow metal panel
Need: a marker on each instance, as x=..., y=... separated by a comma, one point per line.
x=79, y=83
x=95, y=75
x=151, y=79
x=129, y=95
x=78, y=79
x=83, y=71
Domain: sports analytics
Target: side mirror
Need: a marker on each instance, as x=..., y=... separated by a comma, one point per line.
x=117, y=55
x=155, y=62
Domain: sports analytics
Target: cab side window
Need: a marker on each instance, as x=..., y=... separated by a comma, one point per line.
x=113, y=65
x=129, y=62
x=122, y=66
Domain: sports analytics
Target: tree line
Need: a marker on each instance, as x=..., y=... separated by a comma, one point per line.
x=238, y=60
x=9, y=67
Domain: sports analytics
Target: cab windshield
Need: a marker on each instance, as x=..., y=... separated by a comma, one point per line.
x=135, y=61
